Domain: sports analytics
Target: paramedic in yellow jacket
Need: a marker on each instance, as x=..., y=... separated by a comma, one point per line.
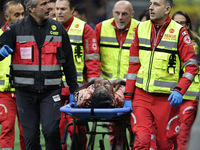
x=156, y=84
x=85, y=50
x=13, y=11
x=188, y=107
x=114, y=37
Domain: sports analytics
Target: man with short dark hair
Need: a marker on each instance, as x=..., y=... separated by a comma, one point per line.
x=159, y=50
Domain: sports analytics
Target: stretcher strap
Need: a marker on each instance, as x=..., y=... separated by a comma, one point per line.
x=92, y=111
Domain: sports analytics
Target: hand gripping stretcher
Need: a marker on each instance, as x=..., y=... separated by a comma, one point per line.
x=96, y=116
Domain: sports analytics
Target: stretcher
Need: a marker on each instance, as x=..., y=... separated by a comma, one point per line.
x=97, y=116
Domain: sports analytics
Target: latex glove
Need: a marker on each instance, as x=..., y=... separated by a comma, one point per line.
x=127, y=104
x=176, y=98
x=5, y=51
x=71, y=105
x=71, y=98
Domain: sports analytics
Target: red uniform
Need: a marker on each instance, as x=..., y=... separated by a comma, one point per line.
x=121, y=37
x=148, y=107
x=8, y=112
x=92, y=69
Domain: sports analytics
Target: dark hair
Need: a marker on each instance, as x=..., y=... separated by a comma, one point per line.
x=80, y=8
x=102, y=97
x=193, y=36
x=144, y=13
x=169, y=2
x=99, y=100
x=72, y=3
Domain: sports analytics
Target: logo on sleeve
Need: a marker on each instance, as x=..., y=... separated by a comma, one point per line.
x=184, y=33
x=187, y=39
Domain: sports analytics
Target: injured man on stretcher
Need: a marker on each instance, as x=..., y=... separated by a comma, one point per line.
x=101, y=93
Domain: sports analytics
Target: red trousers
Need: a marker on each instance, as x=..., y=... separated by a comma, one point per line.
x=187, y=115
x=149, y=108
x=8, y=112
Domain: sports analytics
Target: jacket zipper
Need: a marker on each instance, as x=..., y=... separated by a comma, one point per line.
x=119, y=57
x=151, y=59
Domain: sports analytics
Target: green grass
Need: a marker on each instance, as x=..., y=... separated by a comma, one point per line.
x=42, y=142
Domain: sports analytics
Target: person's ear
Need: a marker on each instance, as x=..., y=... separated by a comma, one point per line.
x=168, y=9
x=6, y=17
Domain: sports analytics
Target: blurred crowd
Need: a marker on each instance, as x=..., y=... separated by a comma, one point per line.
x=98, y=10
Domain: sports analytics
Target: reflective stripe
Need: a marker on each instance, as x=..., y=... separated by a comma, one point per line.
x=66, y=85
x=139, y=80
x=169, y=123
x=190, y=62
x=92, y=56
x=165, y=84
x=134, y=59
x=50, y=67
x=52, y=81
x=6, y=111
x=107, y=74
x=128, y=41
x=153, y=137
x=2, y=82
x=131, y=76
x=151, y=148
x=189, y=93
x=109, y=39
x=55, y=38
x=134, y=118
x=25, y=38
x=166, y=44
x=80, y=74
x=36, y=67
x=187, y=108
x=125, y=76
x=189, y=76
x=22, y=80
x=76, y=37
x=144, y=41
x=30, y=38
x=7, y=149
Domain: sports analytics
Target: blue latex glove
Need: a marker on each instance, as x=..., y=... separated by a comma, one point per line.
x=5, y=51
x=176, y=98
x=71, y=105
x=71, y=98
x=127, y=104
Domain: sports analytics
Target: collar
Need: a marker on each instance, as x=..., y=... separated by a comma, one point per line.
x=5, y=26
x=125, y=29
x=164, y=24
x=68, y=22
x=33, y=21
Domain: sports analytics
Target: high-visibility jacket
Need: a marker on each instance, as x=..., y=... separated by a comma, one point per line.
x=75, y=33
x=114, y=59
x=160, y=68
x=193, y=92
x=5, y=70
x=37, y=69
